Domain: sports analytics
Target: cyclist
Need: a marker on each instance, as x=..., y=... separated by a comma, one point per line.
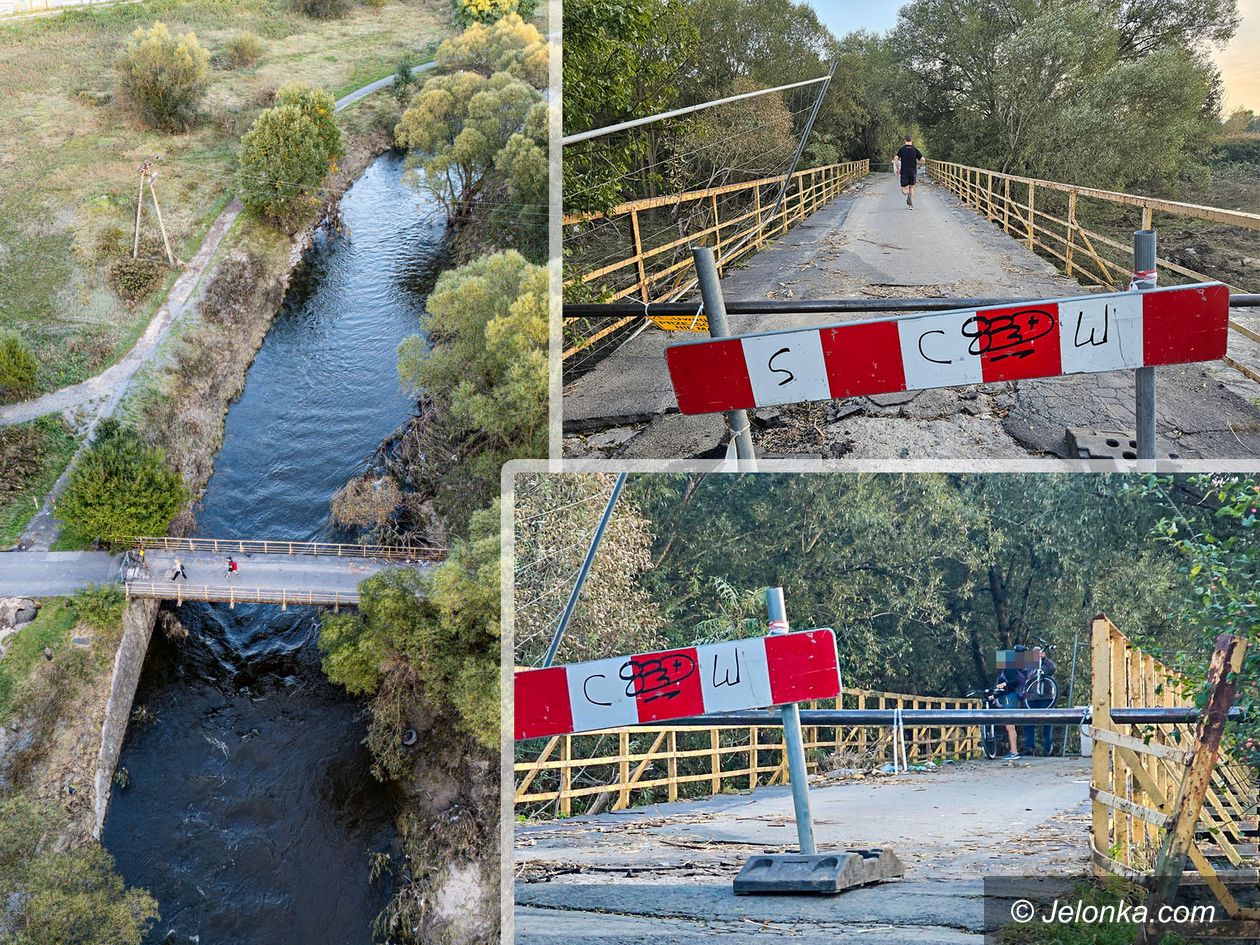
x=1046, y=665
x=1011, y=680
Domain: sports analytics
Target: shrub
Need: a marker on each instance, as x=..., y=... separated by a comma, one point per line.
x=236, y=279
x=163, y=77
x=487, y=11
x=243, y=49
x=134, y=279
x=100, y=606
x=287, y=154
x=121, y=488
x=324, y=9
x=18, y=365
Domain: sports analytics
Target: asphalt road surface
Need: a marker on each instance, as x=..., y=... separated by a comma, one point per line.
x=663, y=874
x=52, y=573
x=867, y=243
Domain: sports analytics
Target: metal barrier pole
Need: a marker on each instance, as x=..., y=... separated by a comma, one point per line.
x=715, y=312
x=793, y=741
x=1144, y=278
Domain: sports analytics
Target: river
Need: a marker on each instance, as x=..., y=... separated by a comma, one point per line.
x=251, y=809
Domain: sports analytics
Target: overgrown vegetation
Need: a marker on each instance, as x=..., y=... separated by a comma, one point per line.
x=63, y=896
x=163, y=77
x=469, y=12
x=18, y=367
x=120, y=488
x=243, y=50
x=32, y=456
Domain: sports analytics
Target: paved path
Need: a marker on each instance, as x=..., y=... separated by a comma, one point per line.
x=663, y=873
x=867, y=243
x=51, y=573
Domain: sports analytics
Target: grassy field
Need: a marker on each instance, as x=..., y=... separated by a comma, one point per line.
x=32, y=456
x=69, y=155
x=51, y=628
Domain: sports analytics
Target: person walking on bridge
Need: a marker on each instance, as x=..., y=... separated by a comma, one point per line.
x=178, y=571
x=231, y=567
x=910, y=159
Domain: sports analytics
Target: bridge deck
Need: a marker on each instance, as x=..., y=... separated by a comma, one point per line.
x=951, y=827
x=273, y=578
x=868, y=243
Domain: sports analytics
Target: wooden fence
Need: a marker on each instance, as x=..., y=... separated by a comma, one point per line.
x=1139, y=772
x=616, y=768
x=180, y=591
x=318, y=548
x=658, y=265
x=1044, y=215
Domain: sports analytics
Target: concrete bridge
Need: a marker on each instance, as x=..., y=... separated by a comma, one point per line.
x=866, y=243
x=270, y=572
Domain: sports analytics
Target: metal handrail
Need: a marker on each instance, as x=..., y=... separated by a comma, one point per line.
x=245, y=546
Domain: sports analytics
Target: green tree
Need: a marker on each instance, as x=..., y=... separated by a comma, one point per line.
x=18, y=366
x=457, y=125
x=488, y=11
x=283, y=164
x=121, y=488
x=482, y=355
x=441, y=628
x=71, y=897
x=321, y=108
x=163, y=77
x=507, y=45
x=1211, y=524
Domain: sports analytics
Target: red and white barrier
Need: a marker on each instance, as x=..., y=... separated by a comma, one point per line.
x=1084, y=335
x=675, y=684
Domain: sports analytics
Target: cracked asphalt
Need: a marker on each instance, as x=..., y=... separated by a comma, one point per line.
x=867, y=243
x=663, y=873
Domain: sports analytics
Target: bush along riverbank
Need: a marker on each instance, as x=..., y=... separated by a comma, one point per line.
x=66, y=709
x=424, y=649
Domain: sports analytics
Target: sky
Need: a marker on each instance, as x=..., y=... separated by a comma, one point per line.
x=1239, y=61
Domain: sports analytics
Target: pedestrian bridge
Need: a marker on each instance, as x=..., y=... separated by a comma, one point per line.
x=301, y=573
x=844, y=233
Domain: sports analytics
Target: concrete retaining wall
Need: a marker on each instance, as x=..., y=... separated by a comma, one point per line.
x=138, y=621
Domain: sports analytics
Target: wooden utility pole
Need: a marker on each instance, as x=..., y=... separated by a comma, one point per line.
x=147, y=176
x=1227, y=661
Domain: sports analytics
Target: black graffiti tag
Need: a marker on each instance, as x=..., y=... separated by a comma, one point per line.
x=650, y=677
x=778, y=370
x=991, y=334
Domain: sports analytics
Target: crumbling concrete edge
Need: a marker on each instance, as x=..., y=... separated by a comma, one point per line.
x=138, y=621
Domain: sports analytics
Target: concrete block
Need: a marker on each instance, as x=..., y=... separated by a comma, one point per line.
x=819, y=874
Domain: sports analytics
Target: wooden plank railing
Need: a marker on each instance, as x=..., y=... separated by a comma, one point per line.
x=322, y=548
x=653, y=763
x=180, y=591
x=1020, y=206
x=1138, y=771
x=658, y=265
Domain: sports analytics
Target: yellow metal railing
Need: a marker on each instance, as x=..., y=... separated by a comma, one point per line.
x=1086, y=254
x=653, y=762
x=180, y=591
x=659, y=265
x=320, y=548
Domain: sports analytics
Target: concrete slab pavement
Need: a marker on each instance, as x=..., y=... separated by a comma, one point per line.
x=53, y=573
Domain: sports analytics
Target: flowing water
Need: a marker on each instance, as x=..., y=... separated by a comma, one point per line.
x=251, y=809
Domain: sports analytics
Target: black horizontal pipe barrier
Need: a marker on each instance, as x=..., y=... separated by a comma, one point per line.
x=815, y=306
x=923, y=718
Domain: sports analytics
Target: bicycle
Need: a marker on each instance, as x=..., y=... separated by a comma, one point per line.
x=989, y=735
x=1041, y=687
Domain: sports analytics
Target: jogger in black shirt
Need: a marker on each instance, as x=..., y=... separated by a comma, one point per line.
x=911, y=160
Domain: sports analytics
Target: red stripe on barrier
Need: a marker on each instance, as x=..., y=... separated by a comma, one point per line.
x=1176, y=332
x=710, y=377
x=666, y=685
x=541, y=703
x=1018, y=342
x=864, y=358
x=802, y=666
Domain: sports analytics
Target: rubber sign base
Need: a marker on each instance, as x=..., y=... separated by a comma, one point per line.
x=819, y=874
